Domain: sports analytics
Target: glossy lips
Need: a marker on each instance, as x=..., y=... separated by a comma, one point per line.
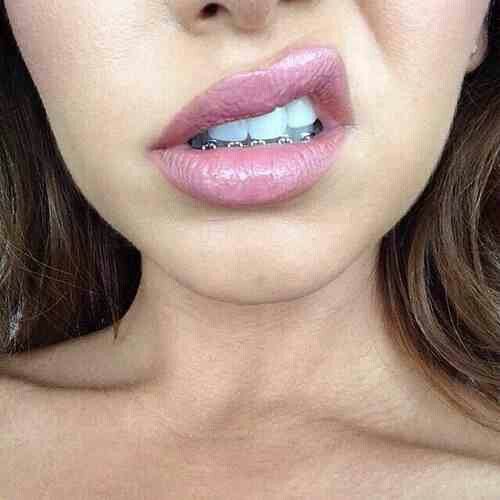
x=263, y=174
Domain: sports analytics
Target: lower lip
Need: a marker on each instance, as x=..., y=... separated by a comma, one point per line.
x=240, y=177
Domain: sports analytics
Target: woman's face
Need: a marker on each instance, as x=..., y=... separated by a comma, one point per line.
x=112, y=74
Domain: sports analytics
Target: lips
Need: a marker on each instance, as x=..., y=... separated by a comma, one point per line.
x=265, y=174
x=314, y=71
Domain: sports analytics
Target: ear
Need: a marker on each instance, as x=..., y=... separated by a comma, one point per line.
x=482, y=50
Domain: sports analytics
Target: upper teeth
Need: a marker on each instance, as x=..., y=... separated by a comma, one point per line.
x=298, y=113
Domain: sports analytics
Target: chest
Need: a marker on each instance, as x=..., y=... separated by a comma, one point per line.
x=79, y=464
x=89, y=449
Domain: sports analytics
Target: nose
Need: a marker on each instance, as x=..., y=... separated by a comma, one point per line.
x=245, y=15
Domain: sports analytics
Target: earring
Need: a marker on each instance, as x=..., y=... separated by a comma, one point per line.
x=475, y=50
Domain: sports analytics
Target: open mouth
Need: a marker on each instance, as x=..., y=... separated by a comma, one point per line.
x=303, y=85
x=260, y=137
x=291, y=136
x=297, y=122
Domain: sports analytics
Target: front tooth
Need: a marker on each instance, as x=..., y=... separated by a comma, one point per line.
x=301, y=113
x=231, y=131
x=268, y=126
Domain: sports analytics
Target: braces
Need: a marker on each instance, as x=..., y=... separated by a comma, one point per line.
x=202, y=142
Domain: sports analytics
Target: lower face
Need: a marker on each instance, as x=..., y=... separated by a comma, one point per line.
x=112, y=74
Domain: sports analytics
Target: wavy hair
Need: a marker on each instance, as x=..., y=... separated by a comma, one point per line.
x=65, y=272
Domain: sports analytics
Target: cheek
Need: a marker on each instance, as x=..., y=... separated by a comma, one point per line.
x=80, y=55
x=45, y=44
x=431, y=31
x=67, y=44
x=408, y=77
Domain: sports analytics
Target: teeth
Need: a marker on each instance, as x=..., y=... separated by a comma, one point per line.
x=295, y=136
x=268, y=126
x=297, y=114
x=232, y=131
x=301, y=113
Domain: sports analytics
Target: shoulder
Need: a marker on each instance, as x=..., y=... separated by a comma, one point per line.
x=402, y=470
x=94, y=361
x=35, y=419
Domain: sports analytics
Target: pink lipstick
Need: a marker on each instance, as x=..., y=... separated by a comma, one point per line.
x=262, y=174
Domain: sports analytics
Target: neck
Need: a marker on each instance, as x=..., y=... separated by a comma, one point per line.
x=226, y=366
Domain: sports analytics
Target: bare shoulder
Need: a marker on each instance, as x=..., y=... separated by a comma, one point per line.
x=418, y=473
x=95, y=360
x=472, y=479
x=376, y=467
x=52, y=424
x=49, y=433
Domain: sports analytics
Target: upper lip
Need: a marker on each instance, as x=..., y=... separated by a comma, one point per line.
x=316, y=71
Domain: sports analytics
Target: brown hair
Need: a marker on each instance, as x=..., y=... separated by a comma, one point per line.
x=65, y=272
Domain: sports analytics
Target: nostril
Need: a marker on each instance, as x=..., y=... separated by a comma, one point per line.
x=209, y=10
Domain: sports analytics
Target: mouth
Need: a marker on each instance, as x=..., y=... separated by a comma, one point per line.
x=316, y=73
x=277, y=131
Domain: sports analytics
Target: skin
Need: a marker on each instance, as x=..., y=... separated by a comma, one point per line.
x=256, y=321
